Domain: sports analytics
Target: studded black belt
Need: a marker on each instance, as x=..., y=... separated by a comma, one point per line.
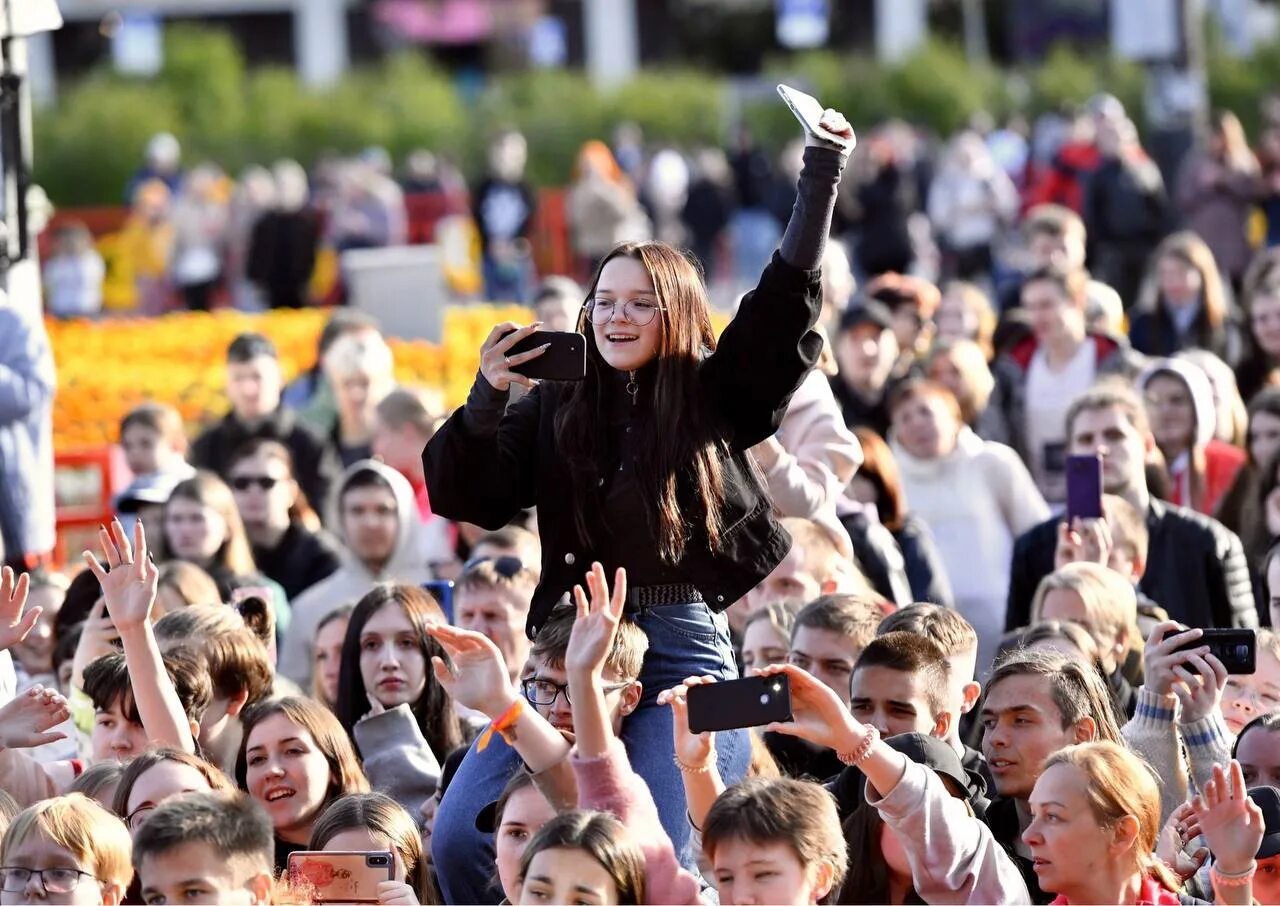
x=646, y=596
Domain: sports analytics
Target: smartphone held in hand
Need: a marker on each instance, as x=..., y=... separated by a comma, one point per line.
x=564, y=360
x=1236, y=648
x=750, y=702
x=340, y=877
x=808, y=111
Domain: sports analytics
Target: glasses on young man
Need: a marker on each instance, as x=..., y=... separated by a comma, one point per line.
x=639, y=312
x=53, y=880
x=544, y=692
x=262, y=482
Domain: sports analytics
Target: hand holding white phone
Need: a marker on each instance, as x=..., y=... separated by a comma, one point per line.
x=817, y=121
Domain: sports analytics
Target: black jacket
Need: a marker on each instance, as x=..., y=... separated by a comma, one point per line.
x=1002, y=818
x=314, y=466
x=1196, y=569
x=300, y=560
x=484, y=466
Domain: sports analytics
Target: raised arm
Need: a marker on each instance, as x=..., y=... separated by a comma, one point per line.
x=130, y=592
x=695, y=754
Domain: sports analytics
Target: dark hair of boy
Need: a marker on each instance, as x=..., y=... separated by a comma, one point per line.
x=232, y=824
x=249, y=346
x=107, y=681
x=909, y=653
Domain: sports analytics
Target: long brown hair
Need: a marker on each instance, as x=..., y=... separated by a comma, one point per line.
x=680, y=429
x=881, y=469
x=1191, y=250
x=379, y=814
x=206, y=489
x=346, y=776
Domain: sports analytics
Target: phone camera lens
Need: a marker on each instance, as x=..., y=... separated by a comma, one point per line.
x=764, y=699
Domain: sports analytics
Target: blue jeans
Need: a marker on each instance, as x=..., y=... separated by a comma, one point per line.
x=684, y=640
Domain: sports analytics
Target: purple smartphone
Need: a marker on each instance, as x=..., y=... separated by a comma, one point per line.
x=1084, y=487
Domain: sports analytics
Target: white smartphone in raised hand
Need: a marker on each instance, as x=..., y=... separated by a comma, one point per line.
x=809, y=112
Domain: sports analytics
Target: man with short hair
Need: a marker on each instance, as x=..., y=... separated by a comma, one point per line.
x=1036, y=703
x=958, y=640
x=492, y=597
x=901, y=685
x=1196, y=567
x=402, y=426
x=374, y=519
x=253, y=387
x=867, y=350
x=206, y=847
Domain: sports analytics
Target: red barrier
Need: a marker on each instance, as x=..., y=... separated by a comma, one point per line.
x=84, y=484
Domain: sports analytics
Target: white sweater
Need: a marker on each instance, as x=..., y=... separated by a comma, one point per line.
x=976, y=500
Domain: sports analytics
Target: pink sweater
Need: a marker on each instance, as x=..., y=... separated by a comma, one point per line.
x=608, y=784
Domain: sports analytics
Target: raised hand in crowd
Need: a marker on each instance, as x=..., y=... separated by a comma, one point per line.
x=695, y=752
x=496, y=362
x=1232, y=825
x=27, y=720
x=1201, y=681
x=16, y=622
x=590, y=641
x=1083, y=541
x=1177, y=837
x=476, y=677
x=1194, y=675
x=129, y=588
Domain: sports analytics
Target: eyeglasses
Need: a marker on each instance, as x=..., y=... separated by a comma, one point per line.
x=244, y=482
x=138, y=816
x=544, y=692
x=53, y=880
x=508, y=567
x=637, y=311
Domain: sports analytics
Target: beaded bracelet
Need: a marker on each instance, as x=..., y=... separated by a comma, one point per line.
x=688, y=769
x=1222, y=879
x=854, y=758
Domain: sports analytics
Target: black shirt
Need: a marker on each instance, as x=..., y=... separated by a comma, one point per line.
x=1002, y=818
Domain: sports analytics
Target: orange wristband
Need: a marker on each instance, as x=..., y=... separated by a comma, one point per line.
x=509, y=717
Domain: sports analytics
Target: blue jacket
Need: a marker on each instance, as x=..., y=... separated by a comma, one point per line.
x=27, y=384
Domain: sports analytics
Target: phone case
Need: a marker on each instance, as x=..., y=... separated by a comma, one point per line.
x=340, y=877
x=809, y=112
x=750, y=702
x=1236, y=648
x=1084, y=487
x=564, y=360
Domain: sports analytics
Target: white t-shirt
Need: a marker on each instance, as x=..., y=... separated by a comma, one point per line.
x=1049, y=394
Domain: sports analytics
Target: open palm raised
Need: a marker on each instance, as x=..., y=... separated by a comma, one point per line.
x=129, y=586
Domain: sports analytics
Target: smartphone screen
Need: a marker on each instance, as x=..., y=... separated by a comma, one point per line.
x=1084, y=487
x=750, y=702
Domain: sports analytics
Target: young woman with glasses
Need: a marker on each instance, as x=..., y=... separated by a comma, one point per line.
x=644, y=464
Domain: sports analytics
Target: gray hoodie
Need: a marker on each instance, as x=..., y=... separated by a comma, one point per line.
x=353, y=578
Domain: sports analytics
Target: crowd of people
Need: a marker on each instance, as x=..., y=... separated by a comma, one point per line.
x=339, y=620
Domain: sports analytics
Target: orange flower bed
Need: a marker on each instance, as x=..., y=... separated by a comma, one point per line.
x=106, y=367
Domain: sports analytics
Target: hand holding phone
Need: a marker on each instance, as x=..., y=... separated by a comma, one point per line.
x=1237, y=649
x=822, y=127
x=750, y=702
x=340, y=877
x=1084, y=487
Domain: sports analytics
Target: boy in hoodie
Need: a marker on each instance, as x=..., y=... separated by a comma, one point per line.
x=1049, y=369
x=375, y=517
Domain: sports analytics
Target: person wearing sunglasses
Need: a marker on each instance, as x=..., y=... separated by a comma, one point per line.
x=68, y=849
x=288, y=545
x=644, y=465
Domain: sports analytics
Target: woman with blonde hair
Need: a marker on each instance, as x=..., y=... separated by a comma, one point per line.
x=1216, y=190
x=1183, y=303
x=961, y=366
x=1095, y=817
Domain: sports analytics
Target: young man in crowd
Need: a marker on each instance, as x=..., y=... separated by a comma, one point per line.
x=1196, y=568
x=868, y=351
x=253, y=388
x=208, y=848
x=1036, y=703
x=375, y=520
x=461, y=853
x=953, y=635
x=1049, y=369
x=901, y=685
x=827, y=639
x=492, y=598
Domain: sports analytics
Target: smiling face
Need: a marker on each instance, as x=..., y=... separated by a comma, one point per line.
x=392, y=662
x=564, y=875
x=287, y=772
x=1251, y=695
x=159, y=783
x=749, y=873
x=1069, y=847
x=626, y=287
x=526, y=811
x=1022, y=727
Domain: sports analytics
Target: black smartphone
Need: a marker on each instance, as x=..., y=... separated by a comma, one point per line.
x=564, y=360
x=1236, y=648
x=749, y=702
x=1084, y=487
x=442, y=591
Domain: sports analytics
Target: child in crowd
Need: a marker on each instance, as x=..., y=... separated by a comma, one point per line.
x=207, y=847
x=584, y=857
x=65, y=849
x=372, y=822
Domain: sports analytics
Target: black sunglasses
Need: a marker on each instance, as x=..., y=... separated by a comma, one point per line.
x=244, y=482
x=508, y=567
